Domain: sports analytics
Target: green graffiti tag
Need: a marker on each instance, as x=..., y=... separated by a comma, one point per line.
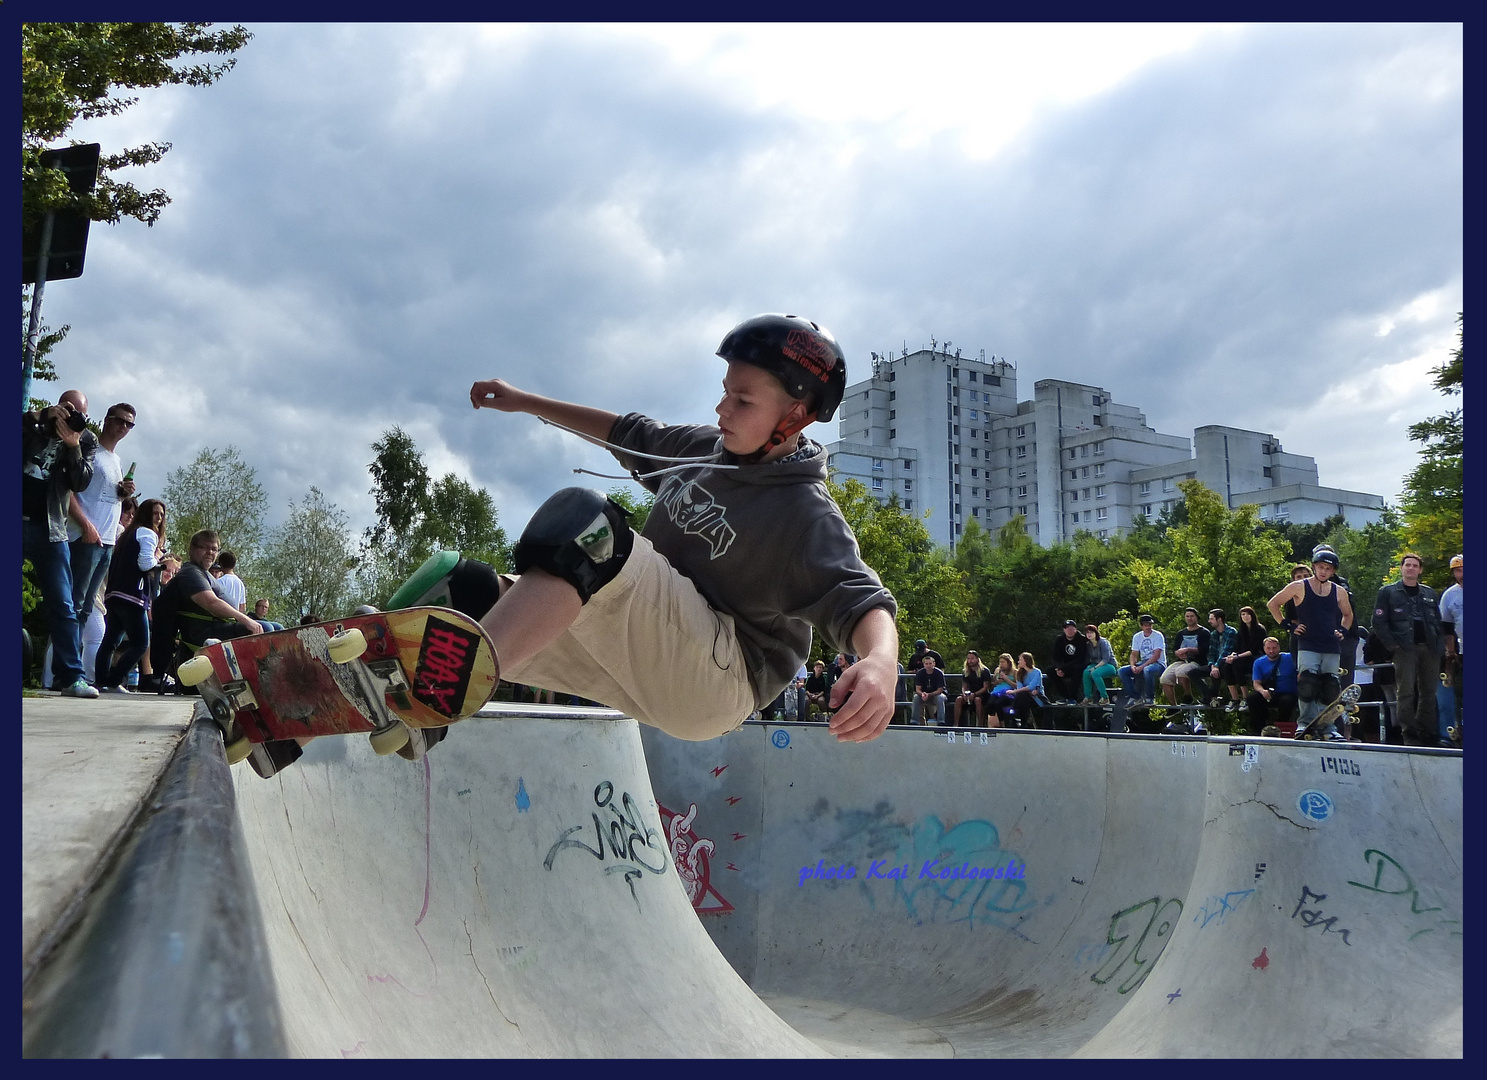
x=1123, y=925
x=1390, y=878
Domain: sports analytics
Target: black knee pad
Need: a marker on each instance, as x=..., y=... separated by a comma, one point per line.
x=1309, y=685
x=1329, y=688
x=579, y=535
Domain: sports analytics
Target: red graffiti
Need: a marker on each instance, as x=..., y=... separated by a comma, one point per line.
x=691, y=855
x=719, y=771
x=732, y=867
x=1261, y=962
x=734, y=798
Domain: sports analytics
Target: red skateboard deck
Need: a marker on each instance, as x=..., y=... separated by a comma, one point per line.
x=425, y=667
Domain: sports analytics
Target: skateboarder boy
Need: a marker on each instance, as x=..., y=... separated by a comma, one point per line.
x=706, y=616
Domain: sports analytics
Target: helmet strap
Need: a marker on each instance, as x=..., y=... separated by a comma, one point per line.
x=792, y=425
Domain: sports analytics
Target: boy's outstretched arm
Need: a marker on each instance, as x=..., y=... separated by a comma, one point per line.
x=871, y=681
x=500, y=395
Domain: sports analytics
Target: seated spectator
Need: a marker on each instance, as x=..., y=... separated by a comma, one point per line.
x=975, y=689
x=1234, y=666
x=842, y=662
x=818, y=690
x=1003, y=682
x=1102, y=667
x=929, y=692
x=1070, y=653
x=1148, y=658
x=260, y=616
x=1027, y=697
x=1222, y=639
x=192, y=607
x=1272, y=698
x=1187, y=658
x=233, y=589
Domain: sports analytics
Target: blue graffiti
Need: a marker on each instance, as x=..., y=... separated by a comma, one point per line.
x=523, y=800
x=781, y=738
x=1219, y=907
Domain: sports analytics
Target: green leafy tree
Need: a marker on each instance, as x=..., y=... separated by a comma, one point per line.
x=309, y=561
x=1367, y=557
x=219, y=491
x=933, y=601
x=1303, y=538
x=417, y=516
x=639, y=507
x=1218, y=558
x=1434, y=490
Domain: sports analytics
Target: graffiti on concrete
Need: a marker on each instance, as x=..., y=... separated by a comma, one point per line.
x=1390, y=878
x=692, y=856
x=621, y=834
x=1217, y=908
x=1138, y=935
x=1315, y=916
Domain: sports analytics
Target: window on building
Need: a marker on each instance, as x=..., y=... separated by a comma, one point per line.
x=1022, y=491
x=1022, y=510
x=975, y=493
x=1086, y=494
x=908, y=485
x=1104, y=534
x=1100, y=469
x=877, y=464
x=1099, y=449
x=1146, y=487
x=1022, y=451
x=956, y=448
x=956, y=470
x=1073, y=496
x=877, y=483
x=1084, y=473
x=908, y=464
x=1268, y=474
x=986, y=399
x=970, y=376
x=975, y=472
x=864, y=394
x=1102, y=513
x=1084, y=450
x=892, y=433
x=1146, y=509
x=975, y=511
x=974, y=451
x=1098, y=400
x=866, y=413
x=955, y=392
x=1167, y=484
x=1086, y=515
x=1072, y=453
x=1100, y=492
x=1073, y=474
x=957, y=514
x=975, y=416
x=1099, y=420
x=1022, y=432
x=893, y=395
x=957, y=491
x=1166, y=506
x=892, y=414
x=908, y=504
x=890, y=376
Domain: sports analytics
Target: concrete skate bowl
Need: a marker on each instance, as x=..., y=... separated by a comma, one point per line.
x=1179, y=897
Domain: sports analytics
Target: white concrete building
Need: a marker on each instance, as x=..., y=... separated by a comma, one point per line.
x=948, y=436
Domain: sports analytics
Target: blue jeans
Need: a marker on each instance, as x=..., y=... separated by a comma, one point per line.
x=1149, y=676
x=89, y=568
x=124, y=620
x=53, y=562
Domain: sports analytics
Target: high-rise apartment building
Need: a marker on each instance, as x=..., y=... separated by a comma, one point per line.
x=948, y=436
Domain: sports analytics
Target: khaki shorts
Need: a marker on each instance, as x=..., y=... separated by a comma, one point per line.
x=1183, y=669
x=650, y=646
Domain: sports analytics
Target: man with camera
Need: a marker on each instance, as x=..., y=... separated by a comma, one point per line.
x=56, y=459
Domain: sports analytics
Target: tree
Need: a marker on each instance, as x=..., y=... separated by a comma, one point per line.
x=70, y=72
x=1434, y=491
x=933, y=601
x=310, y=559
x=219, y=491
x=1302, y=538
x=639, y=509
x=1219, y=558
x=416, y=517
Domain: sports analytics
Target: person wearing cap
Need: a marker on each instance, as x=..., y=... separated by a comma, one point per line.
x=1451, y=624
x=1148, y=659
x=1070, y=652
x=1407, y=622
x=1322, y=619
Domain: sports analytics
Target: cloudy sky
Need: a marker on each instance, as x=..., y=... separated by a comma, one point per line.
x=1257, y=225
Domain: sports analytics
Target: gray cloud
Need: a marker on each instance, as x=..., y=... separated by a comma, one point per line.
x=367, y=218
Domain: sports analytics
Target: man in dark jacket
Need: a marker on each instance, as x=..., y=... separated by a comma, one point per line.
x=1070, y=652
x=1407, y=621
x=56, y=460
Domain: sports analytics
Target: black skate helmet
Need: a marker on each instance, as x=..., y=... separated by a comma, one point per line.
x=801, y=354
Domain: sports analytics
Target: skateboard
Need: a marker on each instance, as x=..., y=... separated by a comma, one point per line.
x=388, y=674
x=1345, y=705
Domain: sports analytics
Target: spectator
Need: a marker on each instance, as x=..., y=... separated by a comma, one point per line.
x=839, y=665
x=192, y=606
x=1027, y=697
x=917, y=660
x=1188, y=659
x=1273, y=688
x=1102, y=667
x=975, y=689
x=1003, y=682
x=1235, y=666
x=231, y=586
x=1407, y=622
x=1451, y=625
x=95, y=512
x=1322, y=618
x=818, y=689
x=1223, y=639
x=929, y=692
x=97, y=624
x=56, y=460
x=260, y=615
x=1070, y=658
x=131, y=573
x=1148, y=658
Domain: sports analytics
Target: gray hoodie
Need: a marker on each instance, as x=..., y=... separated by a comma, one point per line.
x=763, y=543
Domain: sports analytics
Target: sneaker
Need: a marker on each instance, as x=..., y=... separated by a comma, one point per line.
x=447, y=580
x=1198, y=728
x=115, y=690
x=1333, y=735
x=81, y=689
x=1176, y=727
x=1232, y=706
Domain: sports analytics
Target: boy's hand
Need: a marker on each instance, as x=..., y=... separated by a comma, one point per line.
x=864, y=698
x=497, y=394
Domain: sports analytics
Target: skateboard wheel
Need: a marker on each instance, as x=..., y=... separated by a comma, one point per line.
x=238, y=750
x=346, y=646
x=389, y=740
x=196, y=670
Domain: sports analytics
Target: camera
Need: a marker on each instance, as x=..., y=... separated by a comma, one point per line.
x=77, y=421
